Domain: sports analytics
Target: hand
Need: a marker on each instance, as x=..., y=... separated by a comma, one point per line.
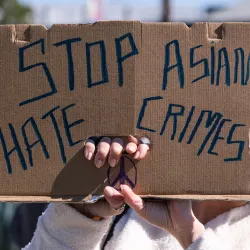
x=110, y=151
x=174, y=216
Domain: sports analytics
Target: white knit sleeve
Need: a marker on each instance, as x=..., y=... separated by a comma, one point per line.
x=62, y=227
x=208, y=241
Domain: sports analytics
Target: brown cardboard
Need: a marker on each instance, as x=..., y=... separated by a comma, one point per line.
x=172, y=168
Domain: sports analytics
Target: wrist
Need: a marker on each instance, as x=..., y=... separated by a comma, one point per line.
x=83, y=209
x=188, y=237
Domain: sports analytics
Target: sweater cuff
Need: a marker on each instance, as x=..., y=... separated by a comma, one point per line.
x=70, y=217
x=62, y=227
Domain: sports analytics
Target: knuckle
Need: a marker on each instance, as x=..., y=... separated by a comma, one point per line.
x=144, y=148
x=116, y=150
x=90, y=146
x=103, y=147
x=131, y=146
x=101, y=155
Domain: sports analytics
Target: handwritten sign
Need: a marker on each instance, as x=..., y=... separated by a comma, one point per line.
x=184, y=88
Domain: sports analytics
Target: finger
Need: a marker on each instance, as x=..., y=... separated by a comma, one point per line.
x=131, y=148
x=89, y=150
x=102, y=152
x=141, y=151
x=115, y=152
x=113, y=197
x=133, y=200
x=133, y=139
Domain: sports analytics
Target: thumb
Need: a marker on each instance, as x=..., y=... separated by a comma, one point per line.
x=133, y=200
x=155, y=213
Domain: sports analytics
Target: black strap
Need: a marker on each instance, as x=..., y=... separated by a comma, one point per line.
x=112, y=228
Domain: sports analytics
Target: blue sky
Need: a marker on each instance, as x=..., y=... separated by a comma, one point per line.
x=202, y=3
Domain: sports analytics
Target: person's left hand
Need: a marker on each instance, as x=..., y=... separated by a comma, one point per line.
x=109, y=151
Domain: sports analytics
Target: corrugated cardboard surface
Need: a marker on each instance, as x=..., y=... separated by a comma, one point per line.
x=159, y=61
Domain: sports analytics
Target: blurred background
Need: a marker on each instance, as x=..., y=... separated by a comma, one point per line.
x=48, y=12
x=18, y=221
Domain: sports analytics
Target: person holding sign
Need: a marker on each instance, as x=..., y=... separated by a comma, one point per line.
x=139, y=224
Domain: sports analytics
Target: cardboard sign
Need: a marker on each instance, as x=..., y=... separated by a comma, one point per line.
x=187, y=89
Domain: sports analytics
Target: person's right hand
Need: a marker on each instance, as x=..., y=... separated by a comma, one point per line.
x=111, y=152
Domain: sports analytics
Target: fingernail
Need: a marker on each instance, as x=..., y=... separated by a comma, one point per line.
x=137, y=154
x=113, y=162
x=89, y=156
x=98, y=163
x=130, y=148
x=109, y=191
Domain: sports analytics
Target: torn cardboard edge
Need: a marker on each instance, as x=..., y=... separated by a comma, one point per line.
x=77, y=199
x=24, y=33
